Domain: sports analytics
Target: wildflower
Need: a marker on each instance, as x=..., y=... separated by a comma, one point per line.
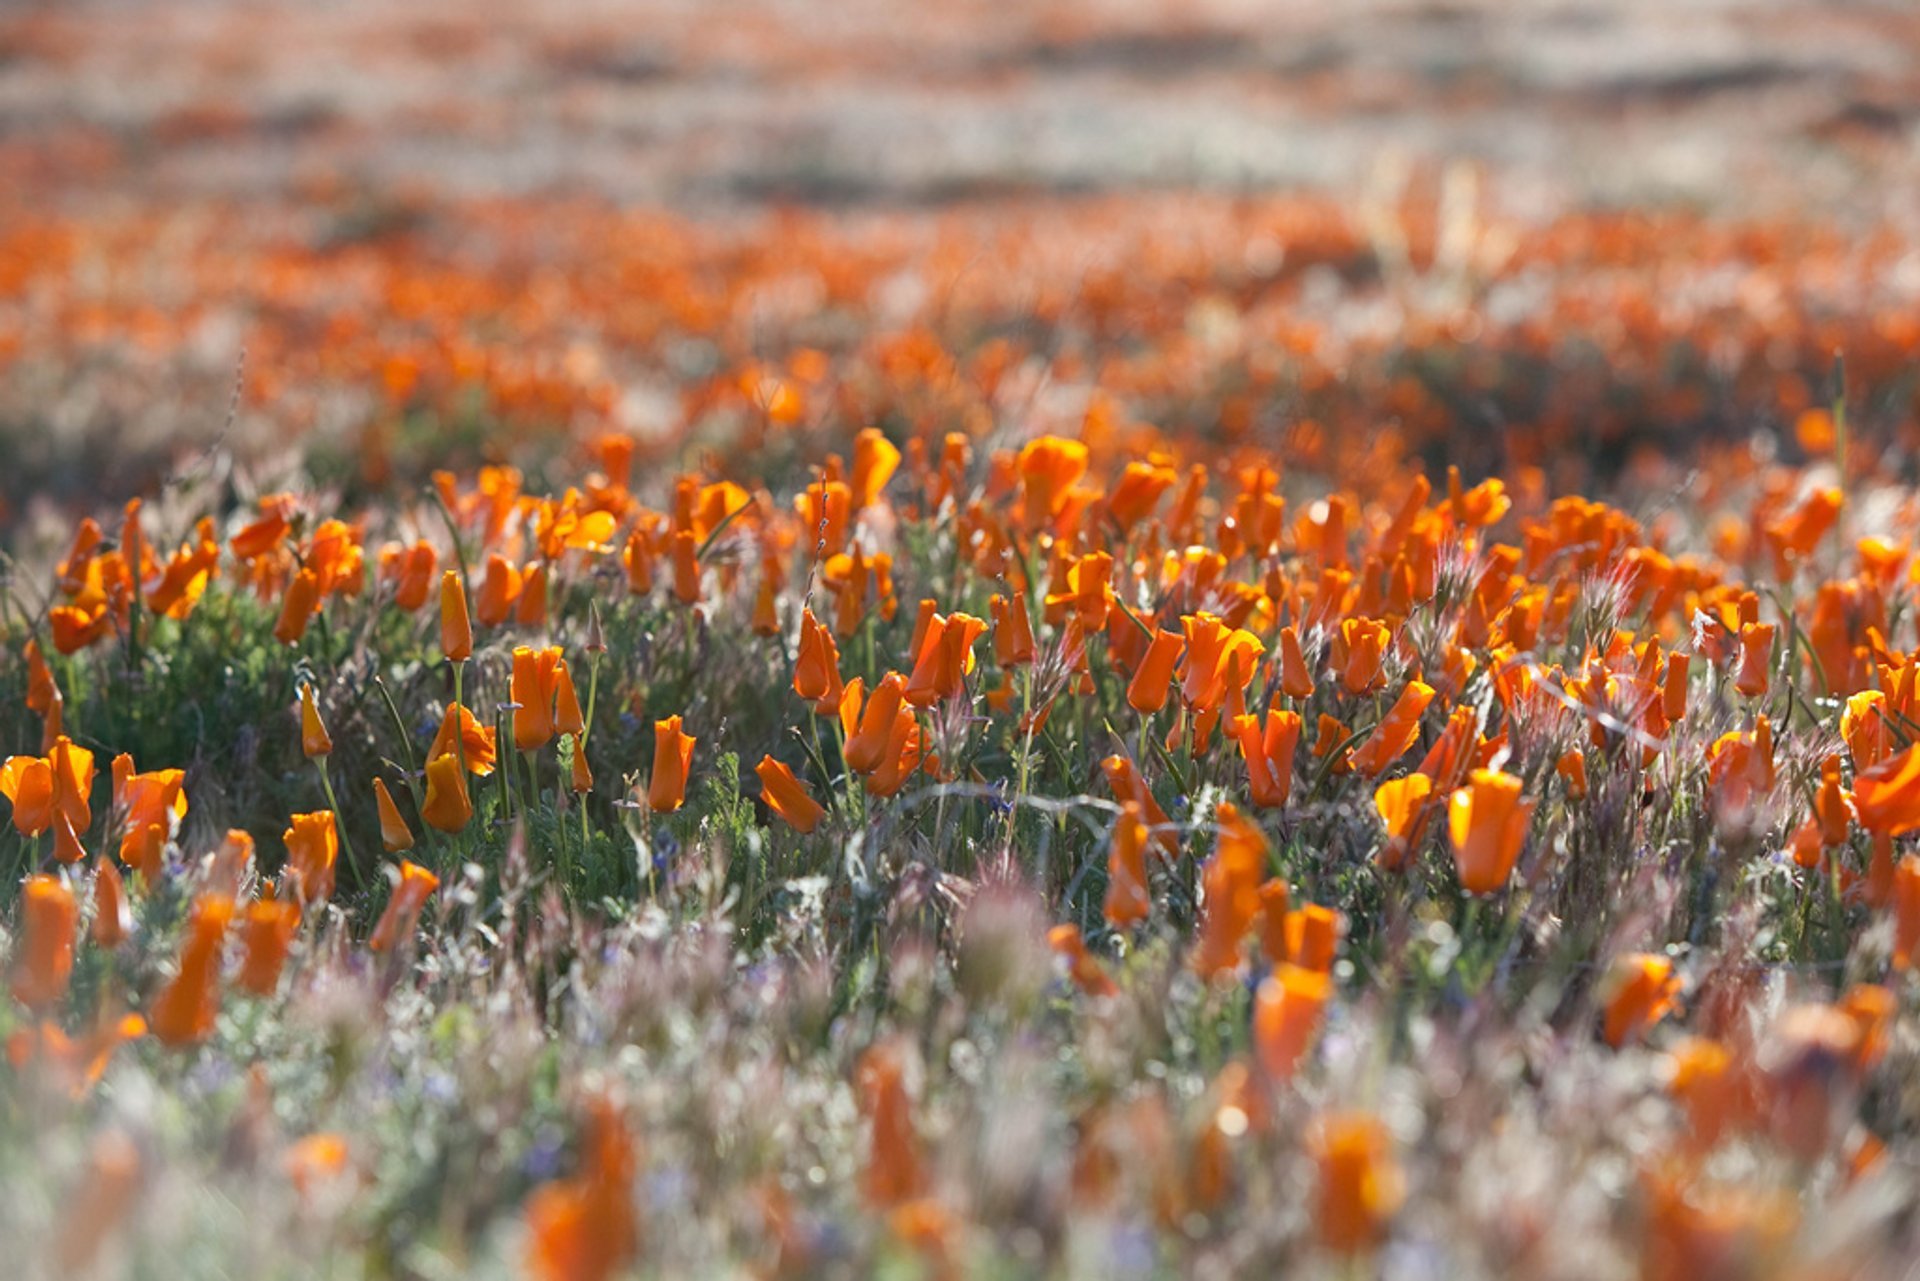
x=1488, y=823
x=43, y=787
x=499, y=589
x=1295, y=679
x=787, y=796
x=816, y=672
x=893, y=1172
x=313, y=845
x=1756, y=651
x=1269, y=755
x=112, y=918
x=1395, y=733
x=532, y=689
x=1127, y=785
x=461, y=734
x=1886, y=796
x=43, y=959
x=672, y=755
x=1147, y=691
x=395, y=835
x=874, y=462
x=1230, y=883
x=944, y=659
x=867, y=748
x=1403, y=807
x=1360, y=1187
x=1128, y=901
x=584, y=1228
x=184, y=1010
x=686, y=569
x=1366, y=645
x=1012, y=630
x=448, y=807
x=153, y=804
x=1086, y=971
x=267, y=928
x=403, y=908
x=531, y=609
x=1641, y=991
x=456, y=630
x=297, y=607
x=1287, y=1011
x=314, y=739
x=1049, y=467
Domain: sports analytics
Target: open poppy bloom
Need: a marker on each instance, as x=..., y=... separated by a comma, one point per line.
x=532, y=688
x=152, y=805
x=672, y=757
x=1886, y=796
x=1269, y=755
x=43, y=787
x=787, y=796
x=1395, y=733
x=866, y=748
x=476, y=744
x=1488, y=823
x=1012, y=630
x=1403, y=807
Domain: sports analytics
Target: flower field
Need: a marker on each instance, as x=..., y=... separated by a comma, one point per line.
x=1106, y=733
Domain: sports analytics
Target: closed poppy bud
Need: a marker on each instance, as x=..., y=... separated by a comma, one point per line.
x=448, y=807
x=314, y=739
x=1269, y=755
x=1488, y=823
x=1673, y=695
x=582, y=779
x=395, y=835
x=456, y=629
x=1128, y=901
x=1295, y=680
x=403, y=909
x=297, y=607
x=185, y=1009
x=1148, y=689
x=686, y=569
x=867, y=748
x=1360, y=1187
x=112, y=918
x=1640, y=990
x=1230, y=885
x=816, y=670
x=672, y=756
x=566, y=703
x=1366, y=642
x=766, y=615
x=531, y=609
x=1313, y=936
x=43, y=958
x=1012, y=630
x=1395, y=733
x=313, y=845
x=787, y=796
x=1287, y=1012
x=498, y=591
x=531, y=688
x=1402, y=803
x=1756, y=651
x=266, y=933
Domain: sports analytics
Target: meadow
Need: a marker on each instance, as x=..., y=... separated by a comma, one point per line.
x=1107, y=734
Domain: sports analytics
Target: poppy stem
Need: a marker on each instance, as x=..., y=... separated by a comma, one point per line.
x=333, y=803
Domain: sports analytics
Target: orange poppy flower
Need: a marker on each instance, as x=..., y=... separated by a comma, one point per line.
x=43, y=958
x=874, y=462
x=1012, y=630
x=153, y=804
x=893, y=1171
x=1395, y=733
x=1287, y=1011
x=1756, y=653
x=1049, y=468
x=816, y=671
x=403, y=908
x=672, y=757
x=185, y=1009
x=585, y=1228
x=112, y=918
x=787, y=796
x=1269, y=755
x=1366, y=645
x=456, y=629
x=1066, y=942
x=43, y=787
x=499, y=590
x=1230, y=885
x=1296, y=681
x=1886, y=797
x=476, y=743
x=866, y=749
x=1488, y=823
x=686, y=569
x=448, y=807
x=1640, y=991
x=532, y=690
x=945, y=658
x=313, y=846
x=395, y=835
x=1127, y=785
x=1128, y=901
x=1313, y=936
x=1147, y=691
x=1906, y=911
x=1360, y=1187
x=314, y=739
x=1403, y=807
x=297, y=607
x=267, y=928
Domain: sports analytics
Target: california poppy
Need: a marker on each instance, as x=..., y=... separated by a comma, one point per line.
x=1488, y=823
x=42, y=786
x=787, y=796
x=893, y=1171
x=1147, y=691
x=410, y=893
x=672, y=756
x=395, y=835
x=1395, y=733
x=1269, y=755
x=1230, y=886
x=112, y=918
x=1287, y=1011
x=866, y=749
x=267, y=928
x=1886, y=796
x=456, y=629
x=585, y=1228
x=314, y=739
x=43, y=959
x=1403, y=807
x=1128, y=901
x=1360, y=1187
x=185, y=1009
x=1640, y=990
x=1083, y=967
x=313, y=845
x=462, y=735
x=448, y=806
